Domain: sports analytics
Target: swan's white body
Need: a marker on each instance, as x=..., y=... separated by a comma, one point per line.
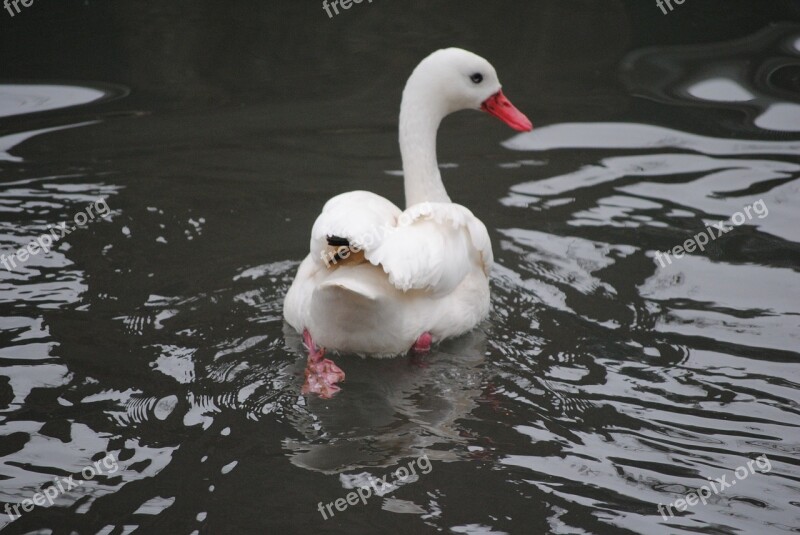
x=425, y=269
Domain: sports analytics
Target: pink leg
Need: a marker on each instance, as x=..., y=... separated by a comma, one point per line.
x=321, y=373
x=421, y=348
x=423, y=343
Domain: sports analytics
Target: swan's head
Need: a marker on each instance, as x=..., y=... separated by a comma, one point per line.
x=453, y=79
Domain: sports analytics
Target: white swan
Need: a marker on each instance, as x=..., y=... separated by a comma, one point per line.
x=379, y=280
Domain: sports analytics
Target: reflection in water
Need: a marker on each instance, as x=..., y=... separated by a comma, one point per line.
x=641, y=136
x=18, y=99
x=730, y=313
x=696, y=297
x=394, y=410
x=10, y=141
x=725, y=75
x=720, y=90
x=21, y=99
x=46, y=281
x=713, y=188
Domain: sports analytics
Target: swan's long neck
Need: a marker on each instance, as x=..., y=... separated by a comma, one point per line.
x=419, y=121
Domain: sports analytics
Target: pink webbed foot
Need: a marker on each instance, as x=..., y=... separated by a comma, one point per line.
x=421, y=348
x=321, y=373
x=423, y=343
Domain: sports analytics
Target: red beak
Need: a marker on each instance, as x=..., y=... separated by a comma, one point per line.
x=499, y=106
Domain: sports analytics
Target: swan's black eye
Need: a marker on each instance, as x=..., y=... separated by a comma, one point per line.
x=476, y=78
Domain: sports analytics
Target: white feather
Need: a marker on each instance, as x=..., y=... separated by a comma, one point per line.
x=433, y=247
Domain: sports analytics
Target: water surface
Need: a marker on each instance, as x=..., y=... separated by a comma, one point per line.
x=601, y=386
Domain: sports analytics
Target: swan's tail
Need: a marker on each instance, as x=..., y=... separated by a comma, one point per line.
x=351, y=285
x=355, y=309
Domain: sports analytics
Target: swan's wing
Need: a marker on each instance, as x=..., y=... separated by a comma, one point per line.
x=433, y=247
x=430, y=246
x=359, y=217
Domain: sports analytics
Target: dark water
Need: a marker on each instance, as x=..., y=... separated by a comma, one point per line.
x=602, y=385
